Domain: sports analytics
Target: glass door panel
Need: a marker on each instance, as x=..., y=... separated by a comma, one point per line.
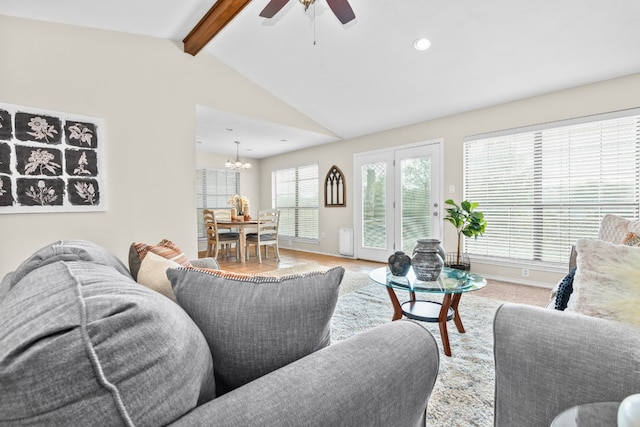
x=374, y=206
x=415, y=201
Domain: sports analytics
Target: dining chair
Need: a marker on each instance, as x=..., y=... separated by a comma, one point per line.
x=266, y=234
x=219, y=237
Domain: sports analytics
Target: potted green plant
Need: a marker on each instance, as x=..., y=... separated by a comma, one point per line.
x=467, y=221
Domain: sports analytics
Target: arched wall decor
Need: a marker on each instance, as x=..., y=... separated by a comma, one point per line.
x=334, y=188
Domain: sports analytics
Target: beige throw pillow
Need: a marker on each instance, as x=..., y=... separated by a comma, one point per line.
x=607, y=281
x=153, y=274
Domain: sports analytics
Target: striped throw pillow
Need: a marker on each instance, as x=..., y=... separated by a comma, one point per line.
x=166, y=249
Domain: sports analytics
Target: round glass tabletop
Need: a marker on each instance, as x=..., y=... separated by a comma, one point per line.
x=451, y=281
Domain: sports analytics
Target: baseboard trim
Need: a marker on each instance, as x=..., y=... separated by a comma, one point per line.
x=517, y=281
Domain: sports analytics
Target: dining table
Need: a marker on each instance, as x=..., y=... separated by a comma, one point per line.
x=241, y=225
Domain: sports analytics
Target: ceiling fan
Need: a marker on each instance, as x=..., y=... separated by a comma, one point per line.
x=341, y=8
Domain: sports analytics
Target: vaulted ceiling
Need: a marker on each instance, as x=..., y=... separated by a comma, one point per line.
x=366, y=76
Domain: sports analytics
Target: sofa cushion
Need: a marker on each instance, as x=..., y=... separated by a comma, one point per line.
x=166, y=249
x=607, y=281
x=84, y=345
x=69, y=250
x=255, y=325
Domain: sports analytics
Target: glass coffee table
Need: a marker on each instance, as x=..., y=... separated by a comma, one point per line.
x=452, y=284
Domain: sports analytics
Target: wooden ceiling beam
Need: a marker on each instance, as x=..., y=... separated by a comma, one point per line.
x=220, y=14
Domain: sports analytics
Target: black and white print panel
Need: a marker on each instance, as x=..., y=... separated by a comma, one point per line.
x=40, y=192
x=6, y=191
x=83, y=192
x=5, y=158
x=6, y=126
x=81, y=134
x=81, y=162
x=37, y=161
x=38, y=128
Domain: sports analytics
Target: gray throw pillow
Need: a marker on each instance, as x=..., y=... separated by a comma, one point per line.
x=255, y=325
x=84, y=345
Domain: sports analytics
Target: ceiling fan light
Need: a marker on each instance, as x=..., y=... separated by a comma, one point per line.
x=307, y=3
x=421, y=44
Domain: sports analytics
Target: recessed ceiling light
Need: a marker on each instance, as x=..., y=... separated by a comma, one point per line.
x=421, y=44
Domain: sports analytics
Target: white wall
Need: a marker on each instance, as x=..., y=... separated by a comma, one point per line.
x=611, y=95
x=146, y=91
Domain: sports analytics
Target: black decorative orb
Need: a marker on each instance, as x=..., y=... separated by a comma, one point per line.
x=399, y=263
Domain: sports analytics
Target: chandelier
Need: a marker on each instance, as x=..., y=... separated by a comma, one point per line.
x=237, y=164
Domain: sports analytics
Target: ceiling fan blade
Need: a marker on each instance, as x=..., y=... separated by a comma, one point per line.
x=342, y=10
x=272, y=8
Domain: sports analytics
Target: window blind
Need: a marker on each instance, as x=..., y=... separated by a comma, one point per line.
x=214, y=187
x=295, y=193
x=544, y=187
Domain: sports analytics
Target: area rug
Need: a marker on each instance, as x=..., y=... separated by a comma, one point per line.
x=463, y=393
x=464, y=389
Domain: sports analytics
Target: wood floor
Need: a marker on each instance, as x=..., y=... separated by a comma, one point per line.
x=291, y=258
x=503, y=291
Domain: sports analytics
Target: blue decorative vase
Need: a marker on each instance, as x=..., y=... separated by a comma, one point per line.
x=426, y=261
x=399, y=263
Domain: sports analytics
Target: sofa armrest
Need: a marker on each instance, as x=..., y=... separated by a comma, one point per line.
x=380, y=377
x=547, y=361
x=205, y=263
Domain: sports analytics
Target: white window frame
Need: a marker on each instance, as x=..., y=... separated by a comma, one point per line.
x=202, y=196
x=301, y=212
x=550, y=238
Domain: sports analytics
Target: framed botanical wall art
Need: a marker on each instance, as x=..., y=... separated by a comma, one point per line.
x=50, y=161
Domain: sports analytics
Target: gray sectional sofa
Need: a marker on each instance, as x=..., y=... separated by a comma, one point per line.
x=82, y=343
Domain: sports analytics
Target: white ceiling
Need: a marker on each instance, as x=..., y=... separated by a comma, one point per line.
x=365, y=76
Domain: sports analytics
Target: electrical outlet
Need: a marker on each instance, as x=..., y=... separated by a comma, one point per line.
x=525, y=272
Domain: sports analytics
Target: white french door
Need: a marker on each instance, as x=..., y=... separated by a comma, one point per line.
x=397, y=199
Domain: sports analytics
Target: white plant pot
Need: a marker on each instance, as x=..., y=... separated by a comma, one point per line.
x=629, y=411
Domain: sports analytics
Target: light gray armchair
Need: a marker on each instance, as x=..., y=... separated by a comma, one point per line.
x=547, y=361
